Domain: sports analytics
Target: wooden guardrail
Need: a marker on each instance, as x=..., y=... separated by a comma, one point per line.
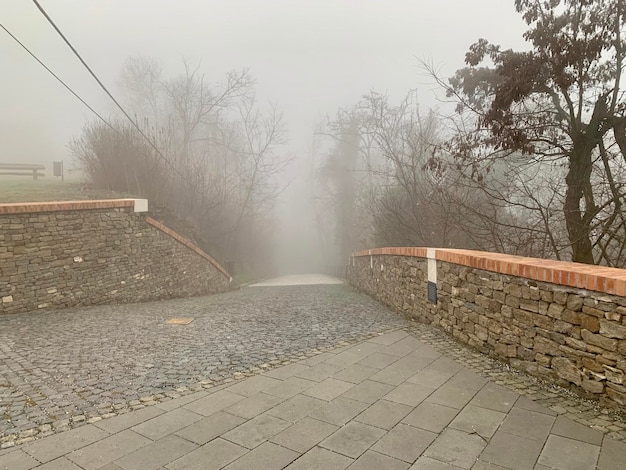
x=22, y=169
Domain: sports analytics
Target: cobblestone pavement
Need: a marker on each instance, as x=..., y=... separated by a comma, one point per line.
x=62, y=369
x=392, y=402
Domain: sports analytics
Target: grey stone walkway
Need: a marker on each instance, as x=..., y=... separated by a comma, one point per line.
x=391, y=402
x=60, y=369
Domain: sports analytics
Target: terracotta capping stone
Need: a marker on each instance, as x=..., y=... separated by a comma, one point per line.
x=394, y=251
x=57, y=206
x=188, y=243
x=582, y=276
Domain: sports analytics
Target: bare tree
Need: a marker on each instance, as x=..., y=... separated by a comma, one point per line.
x=382, y=184
x=218, y=155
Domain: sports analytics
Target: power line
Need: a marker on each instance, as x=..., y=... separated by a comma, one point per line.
x=152, y=144
x=58, y=78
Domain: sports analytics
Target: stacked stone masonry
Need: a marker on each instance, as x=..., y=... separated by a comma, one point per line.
x=68, y=254
x=571, y=336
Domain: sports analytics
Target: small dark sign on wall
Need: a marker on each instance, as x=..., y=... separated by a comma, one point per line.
x=432, y=292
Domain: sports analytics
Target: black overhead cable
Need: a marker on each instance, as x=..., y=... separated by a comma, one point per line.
x=57, y=77
x=152, y=144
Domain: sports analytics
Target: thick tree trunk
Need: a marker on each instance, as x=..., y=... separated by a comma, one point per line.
x=578, y=221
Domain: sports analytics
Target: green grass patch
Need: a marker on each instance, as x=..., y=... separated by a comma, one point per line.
x=46, y=190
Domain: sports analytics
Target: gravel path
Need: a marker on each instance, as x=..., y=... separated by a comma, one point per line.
x=58, y=369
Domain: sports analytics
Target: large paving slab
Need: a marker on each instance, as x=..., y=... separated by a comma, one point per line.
x=60, y=369
x=335, y=424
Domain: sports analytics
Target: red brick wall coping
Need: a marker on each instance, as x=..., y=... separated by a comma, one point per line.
x=583, y=276
x=30, y=207
x=188, y=243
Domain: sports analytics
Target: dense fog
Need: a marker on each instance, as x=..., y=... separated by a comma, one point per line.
x=282, y=135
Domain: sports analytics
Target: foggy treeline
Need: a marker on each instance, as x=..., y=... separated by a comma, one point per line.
x=529, y=162
x=209, y=172
x=390, y=181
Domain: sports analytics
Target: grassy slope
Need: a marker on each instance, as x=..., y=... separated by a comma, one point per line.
x=46, y=189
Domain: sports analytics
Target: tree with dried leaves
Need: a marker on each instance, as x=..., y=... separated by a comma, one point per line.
x=561, y=103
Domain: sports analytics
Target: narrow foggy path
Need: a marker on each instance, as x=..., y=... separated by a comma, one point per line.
x=299, y=280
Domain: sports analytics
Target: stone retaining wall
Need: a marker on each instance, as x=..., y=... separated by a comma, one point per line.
x=563, y=322
x=65, y=254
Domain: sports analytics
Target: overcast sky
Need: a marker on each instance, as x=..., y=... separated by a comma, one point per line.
x=309, y=56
